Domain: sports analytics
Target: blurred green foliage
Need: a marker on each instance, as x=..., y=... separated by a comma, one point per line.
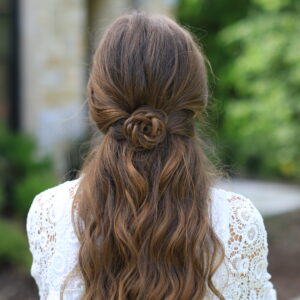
x=254, y=49
x=23, y=173
x=14, y=248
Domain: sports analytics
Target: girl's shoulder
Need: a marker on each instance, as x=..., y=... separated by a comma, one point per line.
x=49, y=206
x=234, y=213
x=240, y=227
x=52, y=240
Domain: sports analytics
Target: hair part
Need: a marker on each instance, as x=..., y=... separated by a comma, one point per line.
x=142, y=209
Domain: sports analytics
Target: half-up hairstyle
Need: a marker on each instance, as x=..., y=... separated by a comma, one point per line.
x=143, y=201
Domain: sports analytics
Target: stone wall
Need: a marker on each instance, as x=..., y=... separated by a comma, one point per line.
x=53, y=73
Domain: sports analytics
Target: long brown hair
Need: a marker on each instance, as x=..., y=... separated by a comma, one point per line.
x=143, y=202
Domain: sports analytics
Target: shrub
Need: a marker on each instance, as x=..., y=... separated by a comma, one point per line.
x=14, y=248
x=253, y=47
x=23, y=173
x=262, y=119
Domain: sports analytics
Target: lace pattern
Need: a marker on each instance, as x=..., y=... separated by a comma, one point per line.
x=53, y=242
x=236, y=221
x=246, y=252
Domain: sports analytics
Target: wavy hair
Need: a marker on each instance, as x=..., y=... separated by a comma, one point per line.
x=143, y=201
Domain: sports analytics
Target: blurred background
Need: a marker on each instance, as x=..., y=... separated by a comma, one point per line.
x=253, y=47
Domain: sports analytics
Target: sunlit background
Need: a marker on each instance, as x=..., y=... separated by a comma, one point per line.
x=253, y=47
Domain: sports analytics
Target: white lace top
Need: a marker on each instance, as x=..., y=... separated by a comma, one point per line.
x=54, y=245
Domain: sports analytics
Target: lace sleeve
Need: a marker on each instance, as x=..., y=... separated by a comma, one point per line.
x=41, y=238
x=248, y=251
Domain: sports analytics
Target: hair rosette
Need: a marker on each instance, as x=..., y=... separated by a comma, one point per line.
x=145, y=127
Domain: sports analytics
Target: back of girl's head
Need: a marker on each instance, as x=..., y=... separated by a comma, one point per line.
x=147, y=61
x=143, y=202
